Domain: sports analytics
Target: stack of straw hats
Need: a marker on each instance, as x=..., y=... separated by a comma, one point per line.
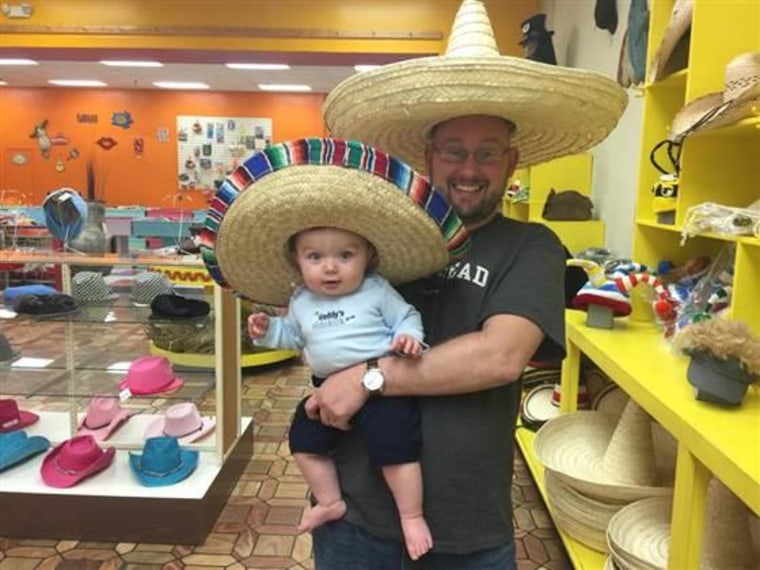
x=595, y=464
x=638, y=535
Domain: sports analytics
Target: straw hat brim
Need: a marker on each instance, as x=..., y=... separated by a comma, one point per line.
x=680, y=21
x=685, y=121
x=395, y=107
x=574, y=445
x=581, y=517
x=639, y=533
x=412, y=227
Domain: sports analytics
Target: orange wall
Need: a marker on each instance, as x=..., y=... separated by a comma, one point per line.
x=129, y=179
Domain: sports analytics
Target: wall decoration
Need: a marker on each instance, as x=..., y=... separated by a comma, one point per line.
x=162, y=134
x=138, y=146
x=43, y=142
x=59, y=139
x=60, y=166
x=90, y=118
x=20, y=158
x=73, y=154
x=106, y=143
x=122, y=119
x=209, y=148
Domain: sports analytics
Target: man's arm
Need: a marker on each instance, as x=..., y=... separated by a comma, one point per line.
x=490, y=357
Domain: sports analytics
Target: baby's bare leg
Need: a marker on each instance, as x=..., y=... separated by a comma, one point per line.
x=405, y=482
x=321, y=476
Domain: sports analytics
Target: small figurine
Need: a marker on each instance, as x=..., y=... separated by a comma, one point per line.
x=43, y=141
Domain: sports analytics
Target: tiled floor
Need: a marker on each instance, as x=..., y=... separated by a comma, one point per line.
x=257, y=528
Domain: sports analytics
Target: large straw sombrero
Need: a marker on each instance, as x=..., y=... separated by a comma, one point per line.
x=602, y=457
x=557, y=110
x=289, y=187
x=638, y=535
x=739, y=100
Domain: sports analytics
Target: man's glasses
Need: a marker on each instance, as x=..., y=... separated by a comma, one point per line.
x=458, y=155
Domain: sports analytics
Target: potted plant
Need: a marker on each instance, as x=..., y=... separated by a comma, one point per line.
x=725, y=359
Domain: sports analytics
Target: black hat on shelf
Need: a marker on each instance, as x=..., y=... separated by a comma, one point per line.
x=45, y=305
x=170, y=306
x=536, y=40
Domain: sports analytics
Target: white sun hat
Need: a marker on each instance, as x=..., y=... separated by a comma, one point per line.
x=557, y=110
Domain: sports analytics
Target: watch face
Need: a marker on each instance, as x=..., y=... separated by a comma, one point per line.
x=373, y=380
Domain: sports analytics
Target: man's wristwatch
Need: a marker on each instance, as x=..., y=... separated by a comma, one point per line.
x=373, y=379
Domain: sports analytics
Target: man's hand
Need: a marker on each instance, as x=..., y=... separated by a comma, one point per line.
x=258, y=325
x=339, y=397
x=407, y=345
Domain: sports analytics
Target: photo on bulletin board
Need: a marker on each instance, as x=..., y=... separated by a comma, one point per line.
x=209, y=148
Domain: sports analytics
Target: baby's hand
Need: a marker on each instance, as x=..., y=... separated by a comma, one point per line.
x=407, y=345
x=258, y=324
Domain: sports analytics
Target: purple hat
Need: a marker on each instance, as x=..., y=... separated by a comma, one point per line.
x=104, y=416
x=150, y=375
x=74, y=460
x=182, y=421
x=11, y=418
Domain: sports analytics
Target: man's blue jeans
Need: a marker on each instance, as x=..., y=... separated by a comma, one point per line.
x=340, y=545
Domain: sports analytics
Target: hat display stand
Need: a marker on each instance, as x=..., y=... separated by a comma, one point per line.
x=718, y=381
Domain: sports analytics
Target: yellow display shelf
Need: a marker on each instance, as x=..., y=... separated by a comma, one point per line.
x=208, y=360
x=581, y=556
x=726, y=440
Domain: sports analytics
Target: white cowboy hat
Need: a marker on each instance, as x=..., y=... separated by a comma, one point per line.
x=557, y=110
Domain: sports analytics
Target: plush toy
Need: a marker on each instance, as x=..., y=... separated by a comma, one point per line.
x=725, y=359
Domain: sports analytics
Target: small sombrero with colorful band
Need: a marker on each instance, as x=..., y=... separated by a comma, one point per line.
x=321, y=182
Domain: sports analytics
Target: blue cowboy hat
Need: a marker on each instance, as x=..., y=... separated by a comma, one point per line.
x=65, y=214
x=163, y=462
x=16, y=447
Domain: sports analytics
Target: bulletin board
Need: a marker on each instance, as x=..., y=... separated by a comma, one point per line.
x=209, y=148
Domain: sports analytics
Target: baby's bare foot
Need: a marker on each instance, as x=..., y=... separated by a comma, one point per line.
x=417, y=536
x=320, y=514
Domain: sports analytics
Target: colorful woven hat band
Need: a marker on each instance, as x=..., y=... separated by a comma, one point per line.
x=367, y=170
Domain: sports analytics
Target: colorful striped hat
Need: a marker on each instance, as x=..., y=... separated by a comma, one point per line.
x=317, y=182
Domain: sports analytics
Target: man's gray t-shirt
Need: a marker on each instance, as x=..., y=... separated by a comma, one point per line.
x=512, y=268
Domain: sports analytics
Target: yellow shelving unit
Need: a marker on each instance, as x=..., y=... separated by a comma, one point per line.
x=566, y=173
x=717, y=166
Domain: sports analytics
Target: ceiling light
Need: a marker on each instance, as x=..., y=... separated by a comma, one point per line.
x=259, y=66
x=131, y=63
x=18, y=62
x=3, y=82
x=77, y=82
x=363, y=68
x=284, y=87
x=180, y=85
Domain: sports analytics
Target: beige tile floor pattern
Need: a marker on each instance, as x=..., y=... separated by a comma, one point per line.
x=257, y=527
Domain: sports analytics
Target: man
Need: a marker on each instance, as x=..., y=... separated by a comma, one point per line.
x=466, y=117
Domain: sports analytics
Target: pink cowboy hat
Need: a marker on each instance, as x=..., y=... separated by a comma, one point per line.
x=74, y=460
x=182, y=421
x=11, y=418
x=150, y=375
x=104, y=416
